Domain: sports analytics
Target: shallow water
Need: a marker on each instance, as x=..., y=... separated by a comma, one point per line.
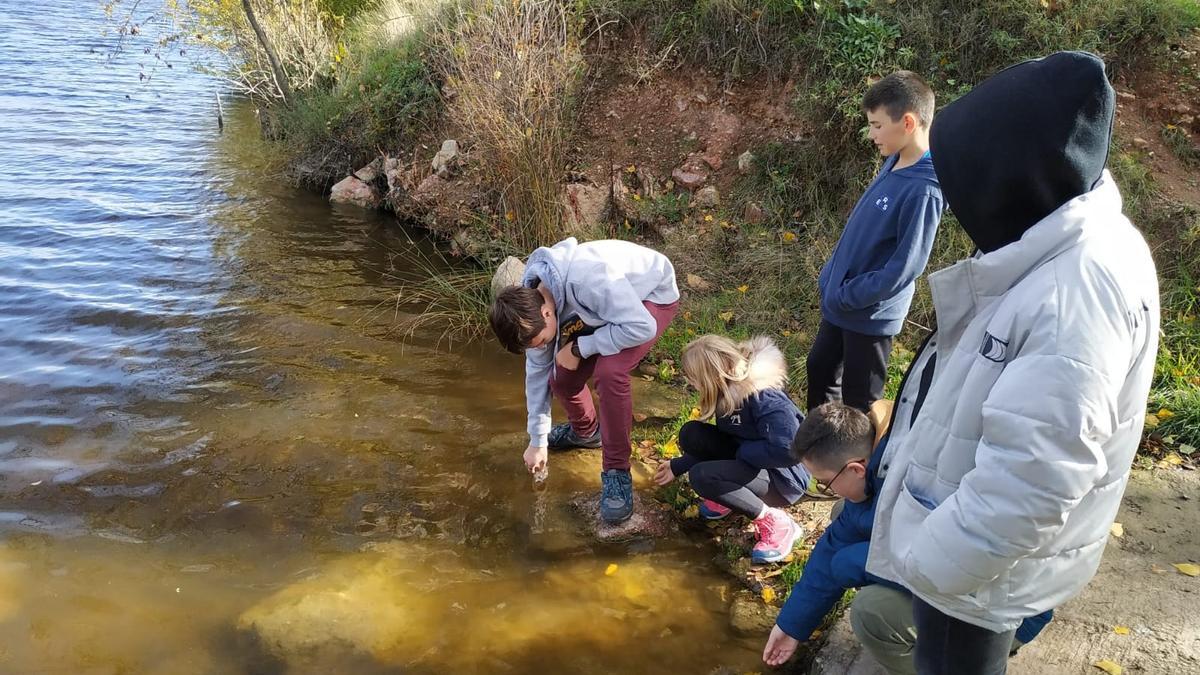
x=215, y=454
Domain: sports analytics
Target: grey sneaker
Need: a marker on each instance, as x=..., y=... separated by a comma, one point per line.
x=616, y=496
x=562, y=436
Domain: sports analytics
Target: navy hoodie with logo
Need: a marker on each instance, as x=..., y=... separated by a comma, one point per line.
x=867, y=284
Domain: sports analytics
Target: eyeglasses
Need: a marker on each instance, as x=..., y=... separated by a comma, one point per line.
x=827, y=488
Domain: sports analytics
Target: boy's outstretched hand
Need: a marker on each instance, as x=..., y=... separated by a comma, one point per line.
x=780, y=647
x=664, y=475
x=535, y=458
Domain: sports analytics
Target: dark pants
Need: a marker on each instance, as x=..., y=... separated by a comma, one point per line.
x=710, y=460
x=948, y=646
x=611, y=374
x=847, y=366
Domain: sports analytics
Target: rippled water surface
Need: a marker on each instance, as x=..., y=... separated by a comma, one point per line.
x=214, y=455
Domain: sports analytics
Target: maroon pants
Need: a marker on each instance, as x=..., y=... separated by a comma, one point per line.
x=616, y=394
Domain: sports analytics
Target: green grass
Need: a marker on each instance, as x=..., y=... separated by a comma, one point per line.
x=382, y=102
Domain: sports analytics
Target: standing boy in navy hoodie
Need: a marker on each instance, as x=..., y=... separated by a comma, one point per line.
x=867, y=284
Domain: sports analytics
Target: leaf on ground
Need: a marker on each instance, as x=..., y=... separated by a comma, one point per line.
x=646, y=444
x=1151, y=420
x=725, y=316
x=1117, y=530
x=1190, y=569
x=1164, y=414
x=1107, y=666
x=743, y=288
x=789, y=236
x=768, y=594
x=1173, y=459
x=694, y=414
x=1121, y=630
x=1185, y=449
x=692, y=511
x=611, y=569
x=640, y=417
x=670, y=448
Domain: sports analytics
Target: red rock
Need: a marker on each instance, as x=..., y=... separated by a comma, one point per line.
x=688, y=179
x=351, y=190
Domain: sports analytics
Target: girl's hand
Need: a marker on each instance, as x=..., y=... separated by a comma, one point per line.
x=664, y=475
x=535, y=458
x=780, y=647
x=566, y=359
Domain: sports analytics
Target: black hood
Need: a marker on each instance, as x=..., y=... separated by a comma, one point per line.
x=1023, y=143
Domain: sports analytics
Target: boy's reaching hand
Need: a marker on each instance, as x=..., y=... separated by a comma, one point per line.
x=664, y=475
x=780, y=647
x=535, y=458
x=567, y=359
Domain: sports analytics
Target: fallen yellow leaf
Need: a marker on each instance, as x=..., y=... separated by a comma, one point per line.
x=1108, y=666
x=768, y=594
x=1151, y=420
x=1164, y=414
x=1117, y=530
x=610, y=570
x=789, y=236
x=725, y=316
x=687, y=316
x=743, y=288
x=708, y=218
x=692, y=511
x=1173, y=459
x=670, y=448
x=694, y=414
x=1190, y=569
x=787, y=333
x=631, y=169
x=496, y=75
x=1121, y=630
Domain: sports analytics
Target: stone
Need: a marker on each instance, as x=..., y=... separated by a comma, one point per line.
x=707, y=197
x=745, y=162
x=584, y=207
x=1141, y=143
x=714, y=162
x=749, y=616
x=393, y=172
x=429, y=190
x=649, y=519
x=681, y=104
x=842, y=653
x=698, y=283
x=688, y=179
x=445, y=159
x=509, y=273
x=1128, y=96
x=753, y=214
x=351, y=190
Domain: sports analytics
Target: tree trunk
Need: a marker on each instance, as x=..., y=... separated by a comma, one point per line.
x=281, y=79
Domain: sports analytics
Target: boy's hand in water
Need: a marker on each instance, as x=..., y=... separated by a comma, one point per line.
x=567, y=359
x=780, y=647
x=664, y=475
x=535, y=459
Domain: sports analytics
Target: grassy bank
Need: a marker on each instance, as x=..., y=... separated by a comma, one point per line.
x=509, y=79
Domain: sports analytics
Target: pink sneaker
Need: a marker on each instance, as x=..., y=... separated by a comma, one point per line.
x=777, y=533
x=711, y=510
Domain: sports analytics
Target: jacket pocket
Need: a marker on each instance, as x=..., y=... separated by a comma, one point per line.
x=907, y=516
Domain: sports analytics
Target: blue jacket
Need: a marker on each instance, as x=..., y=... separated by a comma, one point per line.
x=766, y=423
x=867, y=284
x=839, y=561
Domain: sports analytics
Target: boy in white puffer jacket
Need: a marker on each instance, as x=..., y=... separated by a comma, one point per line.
x=1015, y=429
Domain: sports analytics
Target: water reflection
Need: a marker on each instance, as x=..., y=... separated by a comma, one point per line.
x=212, y=461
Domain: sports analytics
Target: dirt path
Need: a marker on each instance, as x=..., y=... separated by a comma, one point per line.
x=1136, y=588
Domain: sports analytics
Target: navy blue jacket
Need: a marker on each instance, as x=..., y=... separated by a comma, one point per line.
x=867, y=284
x=839, y=562
x=766, y=423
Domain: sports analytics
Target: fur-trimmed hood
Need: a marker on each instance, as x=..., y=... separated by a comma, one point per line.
x=767, y=368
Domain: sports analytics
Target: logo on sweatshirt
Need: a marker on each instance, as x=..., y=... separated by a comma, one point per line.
x=993, y=348
x=882, y=203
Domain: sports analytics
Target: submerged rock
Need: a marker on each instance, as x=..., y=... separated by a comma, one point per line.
x=351, y=190
x=649, y=520
x=750, y=616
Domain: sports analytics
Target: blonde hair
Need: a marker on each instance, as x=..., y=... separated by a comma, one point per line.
x=721, y=370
